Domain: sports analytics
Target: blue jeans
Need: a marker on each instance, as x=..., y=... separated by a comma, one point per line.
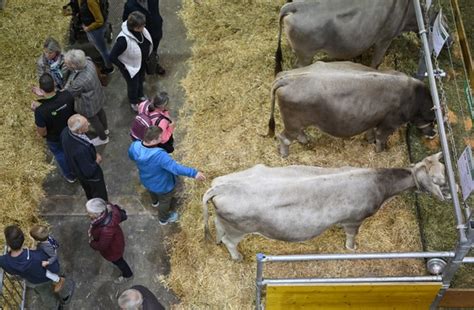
x=96, y=38
x=57, y=150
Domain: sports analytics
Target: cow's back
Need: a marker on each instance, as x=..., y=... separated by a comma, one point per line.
x=345, y=29
x=293, y=203
x=342, y=98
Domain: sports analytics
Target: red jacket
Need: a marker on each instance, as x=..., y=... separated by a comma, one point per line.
x=107, y=236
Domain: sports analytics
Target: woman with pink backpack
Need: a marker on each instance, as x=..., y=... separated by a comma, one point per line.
x=154, y=113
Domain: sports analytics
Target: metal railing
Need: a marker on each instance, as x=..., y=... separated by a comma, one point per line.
x=12, y=290
x=262, y=282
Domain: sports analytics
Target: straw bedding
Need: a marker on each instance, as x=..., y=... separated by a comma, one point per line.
x=25, y=24
x=226, y=115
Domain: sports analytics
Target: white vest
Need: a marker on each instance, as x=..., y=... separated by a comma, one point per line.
x=132, y=56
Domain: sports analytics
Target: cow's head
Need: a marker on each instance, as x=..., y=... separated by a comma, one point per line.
x=429, y=176
x=424, y=117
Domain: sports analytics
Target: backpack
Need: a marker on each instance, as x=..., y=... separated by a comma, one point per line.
x=142, y=121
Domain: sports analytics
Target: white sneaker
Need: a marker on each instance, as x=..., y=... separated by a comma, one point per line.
x=98, y=141
x=121, y=280
x=134, y=107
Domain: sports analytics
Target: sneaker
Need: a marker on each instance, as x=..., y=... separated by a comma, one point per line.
x=155, y=204
x=107, y=132
x=108, y=70
x=98, y=141
x=171, y=219
x=70, y=180
x=134, y=107
x=66, y=300
x=122, y=280
x=58, y=286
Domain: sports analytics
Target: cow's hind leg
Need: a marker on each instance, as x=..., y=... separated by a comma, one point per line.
x=231, y=241
x=351, y=230
x=284, y=146
x=219, y=230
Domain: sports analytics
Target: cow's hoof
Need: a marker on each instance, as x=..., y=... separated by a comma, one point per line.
x=379, y=148
x=353, y=248
x=284, y=151
x=303, y=139
x=238, y=258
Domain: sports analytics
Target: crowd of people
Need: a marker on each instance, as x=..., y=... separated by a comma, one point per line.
x=69, y=114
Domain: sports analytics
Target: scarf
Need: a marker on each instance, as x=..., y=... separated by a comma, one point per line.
x=56, y=73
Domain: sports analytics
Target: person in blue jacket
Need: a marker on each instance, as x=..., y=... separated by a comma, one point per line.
x=158, y=172
x=26, y=263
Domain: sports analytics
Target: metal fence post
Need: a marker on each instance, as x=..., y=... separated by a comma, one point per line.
x=259, y=279
x=439, y=117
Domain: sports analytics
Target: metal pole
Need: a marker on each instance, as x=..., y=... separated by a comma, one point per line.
x=23, y=297
x=352, y=280
x=439, y=116
x=259, y=280
x=462, y=249
x=291, y=258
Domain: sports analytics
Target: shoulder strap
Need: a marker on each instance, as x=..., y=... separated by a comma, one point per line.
x=161, y=116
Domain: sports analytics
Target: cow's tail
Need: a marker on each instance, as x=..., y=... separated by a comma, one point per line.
x=205, y=214
x=279, y=82
x=278, y=53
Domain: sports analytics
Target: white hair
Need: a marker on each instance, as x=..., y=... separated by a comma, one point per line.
x=75, y=123
x=130, y=299
x=96, y=206
x=77, y=58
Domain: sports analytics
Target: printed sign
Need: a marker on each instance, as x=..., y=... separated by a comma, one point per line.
x=439, y=35
x=466, y=172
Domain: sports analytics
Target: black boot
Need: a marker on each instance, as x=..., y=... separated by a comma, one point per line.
x=160, y=70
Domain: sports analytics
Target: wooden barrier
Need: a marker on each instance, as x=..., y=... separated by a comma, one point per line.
x=352, y=296
x=458, y=298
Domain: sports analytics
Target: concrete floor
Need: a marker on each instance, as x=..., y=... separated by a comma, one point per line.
x=63, y=206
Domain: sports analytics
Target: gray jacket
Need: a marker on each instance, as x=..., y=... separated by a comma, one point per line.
x=42, y=66
x=86, y=89
x=49, y=250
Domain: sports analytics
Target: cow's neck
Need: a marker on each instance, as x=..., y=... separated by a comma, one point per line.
x=399, y=180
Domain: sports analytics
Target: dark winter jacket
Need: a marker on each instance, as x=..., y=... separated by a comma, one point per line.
x=28, y=265
x=150, y=302
x=107, y=236
x=154, y=22
x=80, y=155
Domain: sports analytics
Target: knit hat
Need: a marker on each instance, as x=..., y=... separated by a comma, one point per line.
x=96, y=205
